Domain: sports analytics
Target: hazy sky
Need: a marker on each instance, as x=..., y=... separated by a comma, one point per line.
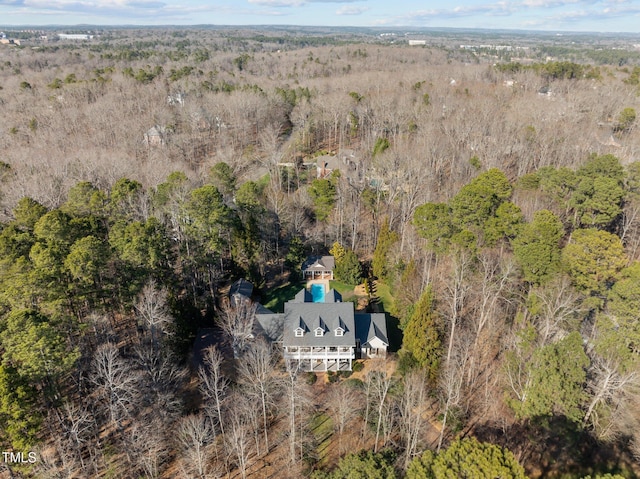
x=573, y=15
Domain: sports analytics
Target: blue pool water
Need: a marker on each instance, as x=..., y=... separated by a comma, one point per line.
x=317, y=293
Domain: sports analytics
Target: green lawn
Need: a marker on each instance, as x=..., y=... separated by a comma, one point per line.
x=385, y=304
x=274, y=299
x=383, y=292
x=345, y=290
x=322, y=427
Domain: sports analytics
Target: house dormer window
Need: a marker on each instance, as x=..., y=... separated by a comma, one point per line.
x=298, y=332
x=319, y=331
x=339, y=332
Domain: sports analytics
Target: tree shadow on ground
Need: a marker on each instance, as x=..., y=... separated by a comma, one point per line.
x=394, y=333
x=557, y=448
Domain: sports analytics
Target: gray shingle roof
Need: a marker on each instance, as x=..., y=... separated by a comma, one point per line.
x=369, y=326
x=269, y=324
x=328, y=316
x=333, y=297
x=262, y=310
x=303, y=296
x=242, y=287
x=319, y=263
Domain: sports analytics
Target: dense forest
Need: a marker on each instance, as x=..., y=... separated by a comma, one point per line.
x=488, y=199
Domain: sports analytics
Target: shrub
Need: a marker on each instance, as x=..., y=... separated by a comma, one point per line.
x=354, y=383
x=625, y=121
x=332, y=377
x=311, y=378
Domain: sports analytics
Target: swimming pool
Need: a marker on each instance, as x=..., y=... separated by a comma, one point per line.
x=317, y=293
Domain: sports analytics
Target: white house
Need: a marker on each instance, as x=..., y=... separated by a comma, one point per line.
x=319, y=336
x=324, y=335
x=371, y=335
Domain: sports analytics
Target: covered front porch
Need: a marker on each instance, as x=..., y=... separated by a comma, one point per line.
x=373, y=353
x=311, y=275
x=323, y=365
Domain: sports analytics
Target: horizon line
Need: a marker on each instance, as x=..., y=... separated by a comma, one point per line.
x=277, y=25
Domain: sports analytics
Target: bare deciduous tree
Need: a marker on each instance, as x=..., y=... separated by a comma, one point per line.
x=344, y=404
x=451, y=385
x=412, y=409
x=558, y=305
x=490, y=309
x=161, y=380
x=494, y=278
x=151, y=306
x=296, y=394
x=78, y=424
x=237, y=318
x=213, y=386
x=239, y=429
x=50, y=463
x=146, y=446
x=607, y=386
x=193, y=435
x=256, y=374
x=117, y=382
x=457, y=289
x=379, y=383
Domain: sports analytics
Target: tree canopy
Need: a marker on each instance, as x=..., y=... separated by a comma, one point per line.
x=423, y=336
x=593, y=259
x=466, y=458
x=537, y=247
x=554, y=385
x=362, y=465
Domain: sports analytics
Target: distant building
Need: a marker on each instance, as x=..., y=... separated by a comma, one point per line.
x=74, y=36
x=325, y=164
x=344, y=160
x=177, y=99
x=417, y=42
x=155, y=136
